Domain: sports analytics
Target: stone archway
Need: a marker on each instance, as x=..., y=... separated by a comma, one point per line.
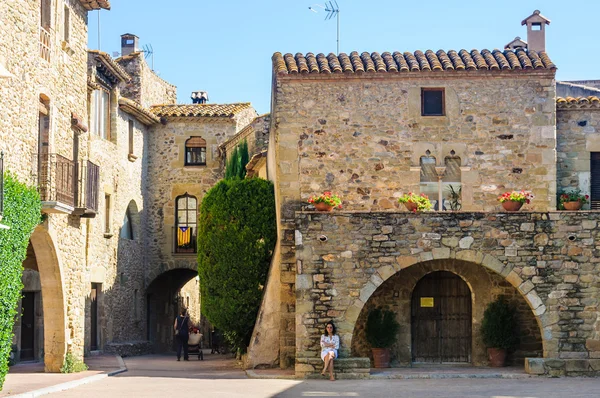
x=526, y=289
x=53, y=300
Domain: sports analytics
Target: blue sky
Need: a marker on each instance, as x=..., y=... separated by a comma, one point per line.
x=225, y=47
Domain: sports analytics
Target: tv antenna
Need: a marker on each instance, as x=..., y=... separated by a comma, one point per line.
x=333, y=10
x=148, y=51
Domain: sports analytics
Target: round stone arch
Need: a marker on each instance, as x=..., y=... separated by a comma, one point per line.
x=56, y=334
x=525, y=288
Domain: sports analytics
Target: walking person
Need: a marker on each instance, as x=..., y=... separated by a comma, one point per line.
x=330, y=344
x=182, y=334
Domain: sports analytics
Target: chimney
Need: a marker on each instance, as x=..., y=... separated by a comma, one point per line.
x=129, y=44
x=536, y=31
x=199, y=97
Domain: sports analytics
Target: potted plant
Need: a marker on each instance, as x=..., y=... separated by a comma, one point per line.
x=415, y=202
x=512, y=201
x=572, y=199
x=325, y=201
x=381, y=331
x=498, y=330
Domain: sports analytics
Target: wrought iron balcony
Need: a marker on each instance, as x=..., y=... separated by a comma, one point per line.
x=88, y=176
x=184, y=240
x=57, y=183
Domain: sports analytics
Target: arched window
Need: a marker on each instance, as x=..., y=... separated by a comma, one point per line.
x=451, y=183
x=130, y=222
x=195, y=151
x=429, y=178
x=127, y=227
x=186, y=222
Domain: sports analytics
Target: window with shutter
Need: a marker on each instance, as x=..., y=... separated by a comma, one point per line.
x=195, y=151
x=595, y=181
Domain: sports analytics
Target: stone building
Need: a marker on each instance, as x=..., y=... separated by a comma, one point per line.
x=106, y=270
x=371, y=127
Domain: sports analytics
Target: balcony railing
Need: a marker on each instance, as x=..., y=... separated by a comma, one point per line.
x=184, y=240
x=88, y=176
x=44, y=44
x=57, y=183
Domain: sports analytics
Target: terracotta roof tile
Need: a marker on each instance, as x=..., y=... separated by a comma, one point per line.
x=95, y=4
x=200, y=110
x=591, y=102
x=137, y=110
x=110, y=63
x=404, y=62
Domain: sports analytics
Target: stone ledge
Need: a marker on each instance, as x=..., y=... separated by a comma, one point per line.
x=344, y=368
x=129, y=349
x=562, y=367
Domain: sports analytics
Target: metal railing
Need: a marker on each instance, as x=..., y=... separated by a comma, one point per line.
x=44, y=44
x=184, y=241
x=88, y=174
x=56, y=179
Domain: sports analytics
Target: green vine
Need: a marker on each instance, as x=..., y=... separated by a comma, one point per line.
x=22, y=210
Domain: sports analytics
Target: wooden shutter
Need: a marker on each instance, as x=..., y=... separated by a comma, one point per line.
x=595, y=180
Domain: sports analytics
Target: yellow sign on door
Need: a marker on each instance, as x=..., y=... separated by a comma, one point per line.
x=427, y=302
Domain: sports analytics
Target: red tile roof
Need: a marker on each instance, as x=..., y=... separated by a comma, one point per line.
x=578, y=102
x=95, y=4
x=411, y=62
x=200, y=110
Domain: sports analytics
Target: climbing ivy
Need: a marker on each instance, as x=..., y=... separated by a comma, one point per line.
x=236, y=238
x=22, y=209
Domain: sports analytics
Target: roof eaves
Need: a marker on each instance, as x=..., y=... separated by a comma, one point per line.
x=91, y=5
x=139, y=112
x=110, y=63
x=591, y=102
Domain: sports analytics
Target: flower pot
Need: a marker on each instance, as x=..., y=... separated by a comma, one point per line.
x=572, y=205
x=497, y=357
x=381, y=357
x=323, y=206
x=511, y=205
x=410, y=206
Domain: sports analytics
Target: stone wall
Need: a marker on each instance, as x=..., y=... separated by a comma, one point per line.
x=363, y=136
x=146, y=87
x=549, y=258
x=577, y=134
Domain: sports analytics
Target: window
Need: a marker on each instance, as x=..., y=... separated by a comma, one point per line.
x=432, y=102
x=195, y=152
x=67, y=24
x=443, y=189
x=595, y=181
x=100, y=113
x=45, y=25
x=127, y=227
x=130, y=137
x=451, y=183
x=107, y=214
x=536, y=26
x=186, y=208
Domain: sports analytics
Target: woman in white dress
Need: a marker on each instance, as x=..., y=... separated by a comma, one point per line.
x=330, y=343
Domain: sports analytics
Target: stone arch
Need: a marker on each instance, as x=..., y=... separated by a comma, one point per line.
x=525, y=288
x=53, y=299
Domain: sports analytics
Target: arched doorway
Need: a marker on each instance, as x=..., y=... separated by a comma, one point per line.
x=441, y=319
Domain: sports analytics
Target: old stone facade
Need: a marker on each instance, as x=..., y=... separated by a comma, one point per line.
x=362, y=125
x=101, y=272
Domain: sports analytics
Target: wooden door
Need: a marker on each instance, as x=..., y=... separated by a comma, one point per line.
x=94, y=317
x=441, y=319
x=27, y=326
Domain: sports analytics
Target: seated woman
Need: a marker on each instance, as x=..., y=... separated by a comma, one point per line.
x=330, y=344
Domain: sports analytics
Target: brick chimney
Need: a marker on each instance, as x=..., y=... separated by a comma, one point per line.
x=536, y=31
x=129, y=44
x=199, y=97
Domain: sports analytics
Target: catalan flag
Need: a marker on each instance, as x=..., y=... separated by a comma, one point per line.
x=184, y=235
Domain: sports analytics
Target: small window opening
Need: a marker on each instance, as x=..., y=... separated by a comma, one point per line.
x=536, y=26
x=432, y=102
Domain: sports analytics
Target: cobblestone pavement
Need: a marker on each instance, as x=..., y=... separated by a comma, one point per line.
x=217, y=376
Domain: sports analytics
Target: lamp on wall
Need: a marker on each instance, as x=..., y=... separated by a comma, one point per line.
x=2, y=189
